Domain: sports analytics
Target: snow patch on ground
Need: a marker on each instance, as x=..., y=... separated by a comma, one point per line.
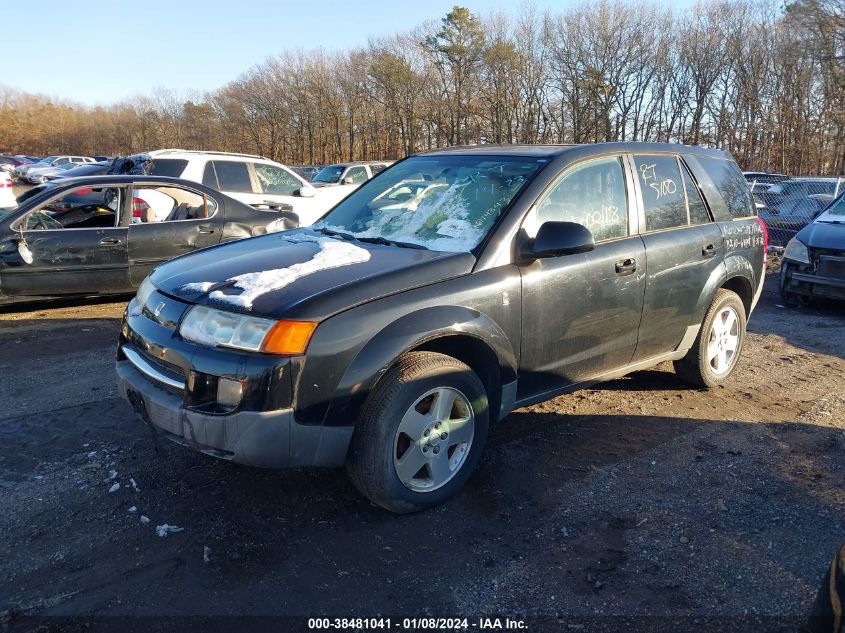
x=332, y=254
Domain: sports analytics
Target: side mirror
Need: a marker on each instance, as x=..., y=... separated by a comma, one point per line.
x=305, y=192
x=558, y=238
x=348, y=181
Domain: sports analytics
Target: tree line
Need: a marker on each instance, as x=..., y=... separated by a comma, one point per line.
x=766, y=83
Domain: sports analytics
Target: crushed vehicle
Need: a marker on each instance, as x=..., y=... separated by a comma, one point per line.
x=813, y=263
x=102, y=235
x=439, y=296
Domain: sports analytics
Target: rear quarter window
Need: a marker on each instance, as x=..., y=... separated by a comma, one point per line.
x=169, y=167
x=731, y=184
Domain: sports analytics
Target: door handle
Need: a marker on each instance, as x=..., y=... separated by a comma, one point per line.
x=626, y=266
x=111, y=241
x=208, y=231
x=708, y=251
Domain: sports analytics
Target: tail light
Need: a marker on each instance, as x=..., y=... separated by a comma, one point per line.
x=765, y=238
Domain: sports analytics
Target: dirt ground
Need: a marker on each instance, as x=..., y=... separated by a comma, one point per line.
x=641, y=503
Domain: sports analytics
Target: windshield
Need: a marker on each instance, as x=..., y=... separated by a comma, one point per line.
x=329, y=175
x=443, y=203
x=835, y=212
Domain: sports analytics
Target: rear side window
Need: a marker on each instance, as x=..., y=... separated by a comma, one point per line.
x=729, y=182
x=698, y=213
x=169, y=167
x=377, y=168
x=664, y=200
x=233, y=176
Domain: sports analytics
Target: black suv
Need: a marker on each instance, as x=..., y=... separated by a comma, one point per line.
x=448, y=290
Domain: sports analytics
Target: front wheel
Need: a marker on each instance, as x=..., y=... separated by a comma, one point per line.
x=420, y=433
x=714, y=355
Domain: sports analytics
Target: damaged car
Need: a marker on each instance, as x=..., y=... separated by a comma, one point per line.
x=439, y=296
x=103, y=235
x=814, y=260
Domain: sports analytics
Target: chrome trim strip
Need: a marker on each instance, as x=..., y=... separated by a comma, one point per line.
x=148, y=370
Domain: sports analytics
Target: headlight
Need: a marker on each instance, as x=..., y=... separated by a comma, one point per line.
x=796, y=252
x=144, y=291
x=208, y=326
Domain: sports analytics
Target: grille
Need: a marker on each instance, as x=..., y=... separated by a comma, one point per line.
x=832, y=266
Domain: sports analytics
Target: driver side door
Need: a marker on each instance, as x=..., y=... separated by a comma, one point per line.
x=581, y=312
x=75, y=244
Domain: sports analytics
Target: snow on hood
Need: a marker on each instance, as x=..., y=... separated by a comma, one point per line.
x=331, y=254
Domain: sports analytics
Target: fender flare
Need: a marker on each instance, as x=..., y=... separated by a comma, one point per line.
x=410, y=332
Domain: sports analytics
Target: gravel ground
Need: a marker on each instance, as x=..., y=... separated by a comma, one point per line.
x=640, y=503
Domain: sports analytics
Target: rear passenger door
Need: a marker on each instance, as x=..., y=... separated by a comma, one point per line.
x=684, y=247
x=581, y=312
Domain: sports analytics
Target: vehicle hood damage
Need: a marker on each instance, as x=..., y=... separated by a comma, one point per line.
x=303, y=274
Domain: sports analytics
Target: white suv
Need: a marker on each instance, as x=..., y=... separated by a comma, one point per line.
x=253, y=180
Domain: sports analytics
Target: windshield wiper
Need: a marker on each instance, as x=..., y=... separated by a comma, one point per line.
x=387, y=242
x=341, y=234
x=370, y=240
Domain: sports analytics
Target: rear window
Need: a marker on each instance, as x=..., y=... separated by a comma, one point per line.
x=730, y=182
x=171, y=167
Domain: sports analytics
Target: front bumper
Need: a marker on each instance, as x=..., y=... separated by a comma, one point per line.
x=802, y=280
x=269, y=439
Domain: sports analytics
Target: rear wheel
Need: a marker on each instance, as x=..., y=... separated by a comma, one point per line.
x=420, y=433
x=716, y=351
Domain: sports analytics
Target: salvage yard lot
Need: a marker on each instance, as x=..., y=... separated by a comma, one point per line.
x=639, y=497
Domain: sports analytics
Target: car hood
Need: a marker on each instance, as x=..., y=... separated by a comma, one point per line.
x=302, y=274
x=824, y=235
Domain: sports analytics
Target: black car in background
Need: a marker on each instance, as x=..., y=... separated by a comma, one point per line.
x=814, y=260
x=102, y=235
x=389, y=336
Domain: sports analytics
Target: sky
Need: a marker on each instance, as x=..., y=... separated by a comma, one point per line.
x=98, y=52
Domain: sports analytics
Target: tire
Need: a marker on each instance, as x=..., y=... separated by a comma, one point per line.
x=718, y=334
x=400, y=426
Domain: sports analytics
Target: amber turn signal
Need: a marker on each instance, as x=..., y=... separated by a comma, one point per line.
x=288, y=337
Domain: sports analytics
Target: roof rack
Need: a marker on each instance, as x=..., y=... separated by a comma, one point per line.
x=159, y=152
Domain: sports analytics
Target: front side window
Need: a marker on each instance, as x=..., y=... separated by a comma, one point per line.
x=209, y=178
x=440, y=202
x=275, y=180
x=329, y=175
x=356, y=175
x=233, y=176
x=592, y=194
x=170, y=204
x=80, y=208
x=664, y=201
